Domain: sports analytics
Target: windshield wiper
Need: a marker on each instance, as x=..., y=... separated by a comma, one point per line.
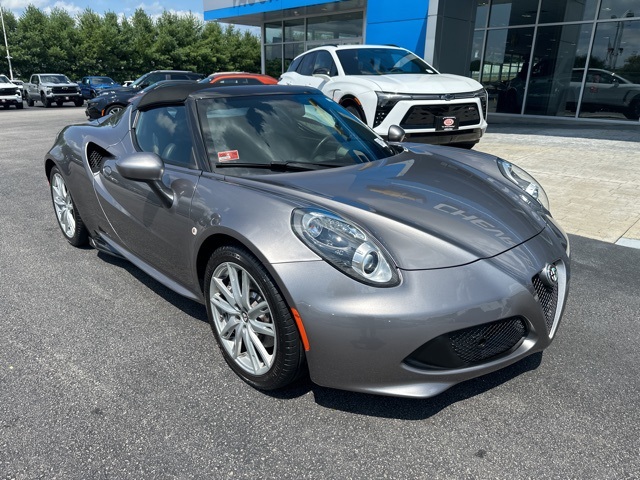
x=279, y=166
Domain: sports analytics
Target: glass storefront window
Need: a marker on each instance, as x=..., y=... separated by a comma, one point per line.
x=273, y=32
x=509, y=13
x=273, y=60
x=619, y=9
x=612, y=88
x=559, y=50
x=556, y=11
x=348, y=25
x=505, y=68
x=476, y=55
x=291, y=51
x=482, y=13
x=294, y=30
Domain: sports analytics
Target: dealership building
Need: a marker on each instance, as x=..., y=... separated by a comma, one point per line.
x=575, y=59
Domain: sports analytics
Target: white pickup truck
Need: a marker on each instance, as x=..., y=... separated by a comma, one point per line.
x=52, y=87
x=9, y=93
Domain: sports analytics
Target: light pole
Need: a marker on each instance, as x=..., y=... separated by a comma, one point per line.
x=6, y=45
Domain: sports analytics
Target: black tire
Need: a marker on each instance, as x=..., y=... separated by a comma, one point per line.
x=19, y=106
x=356, y=111
x=273, y=329
x=79, y=102
x=633, y=112
x=6, y=106
x=59, y=103
x=67, y=214
x=45, y=101
x=29, y=102
x=113, y=109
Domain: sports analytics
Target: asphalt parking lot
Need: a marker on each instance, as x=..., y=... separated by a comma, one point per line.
x=104, y=373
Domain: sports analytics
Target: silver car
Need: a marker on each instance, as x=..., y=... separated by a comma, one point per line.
x=316, y=246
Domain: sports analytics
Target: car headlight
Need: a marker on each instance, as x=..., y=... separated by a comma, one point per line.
x=525, y=181
x=345, y=246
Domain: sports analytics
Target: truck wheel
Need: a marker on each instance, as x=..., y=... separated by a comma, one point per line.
x=19, y=106
x=45, y=101
x=29, y=102
x=79, y=102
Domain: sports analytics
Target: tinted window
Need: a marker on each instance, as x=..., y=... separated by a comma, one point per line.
x=294, y=65
x=381, y=61
x=324, y=61
x=307, y=64
x=164, y=131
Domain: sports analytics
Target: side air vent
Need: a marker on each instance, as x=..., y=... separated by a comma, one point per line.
x=96, y=156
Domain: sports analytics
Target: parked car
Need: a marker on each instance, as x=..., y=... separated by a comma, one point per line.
x=384, y=86
x=239, y=78
x=606, y=91
x=10, y=93
x=93, y=86
x=115, y=99
x=389, y=268
x=20, y=84
x=50, y=88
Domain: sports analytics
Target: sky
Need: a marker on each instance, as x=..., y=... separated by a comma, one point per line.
x=126, y=7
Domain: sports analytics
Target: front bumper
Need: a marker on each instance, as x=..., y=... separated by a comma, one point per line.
x=364, y=339
x=10, y=99
x=422, y=120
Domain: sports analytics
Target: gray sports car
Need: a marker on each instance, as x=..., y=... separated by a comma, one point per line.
x=376, y=266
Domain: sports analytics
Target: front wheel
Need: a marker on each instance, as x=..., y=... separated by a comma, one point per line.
x=67, y=214
x=29, y=102
x=45, y=101
x=113, y=109
x=79, y=102
x=251, y=321
x=633, y=112
x=356, y=112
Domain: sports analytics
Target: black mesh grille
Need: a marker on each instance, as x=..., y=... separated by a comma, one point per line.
x=9, y=91
x=481, y=343
x=424, y=116
x=95, y=157
x=548, y=298
x=470, y=346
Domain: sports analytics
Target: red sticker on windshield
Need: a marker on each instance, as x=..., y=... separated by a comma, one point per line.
x=228, y=156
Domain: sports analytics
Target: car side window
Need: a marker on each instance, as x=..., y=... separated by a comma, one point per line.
x=294, y=65
x=324, y=63
x=307, y=64
x=164, y=131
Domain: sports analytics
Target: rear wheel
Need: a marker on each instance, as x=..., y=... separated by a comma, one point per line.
x=251, y=321
x=67, y=214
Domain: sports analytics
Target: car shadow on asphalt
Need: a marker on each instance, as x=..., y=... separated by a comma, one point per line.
x=406, y=408
x=190, y=307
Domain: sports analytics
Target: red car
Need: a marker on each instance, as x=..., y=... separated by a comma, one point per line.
x=239, y=78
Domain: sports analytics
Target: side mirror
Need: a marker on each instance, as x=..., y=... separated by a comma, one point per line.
x=146, y=167
x=396, y=134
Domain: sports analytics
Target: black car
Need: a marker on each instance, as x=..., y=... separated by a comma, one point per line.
x=113, y=100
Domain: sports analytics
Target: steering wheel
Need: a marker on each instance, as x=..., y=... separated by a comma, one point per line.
x=320, y=145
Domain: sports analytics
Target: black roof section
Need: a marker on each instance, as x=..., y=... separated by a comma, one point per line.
x=172, y=93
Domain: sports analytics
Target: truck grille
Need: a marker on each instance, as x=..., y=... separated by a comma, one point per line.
x=64, y=90
x=9, y=91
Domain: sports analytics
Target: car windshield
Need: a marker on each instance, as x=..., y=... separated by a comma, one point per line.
x=4, y=79
x=285, y=132
x=102, y=80
x=381, y=61
x=54, y=79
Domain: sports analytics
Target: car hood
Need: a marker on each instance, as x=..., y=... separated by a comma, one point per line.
x=423, y=83
x=429, y=210
x=48, y=84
